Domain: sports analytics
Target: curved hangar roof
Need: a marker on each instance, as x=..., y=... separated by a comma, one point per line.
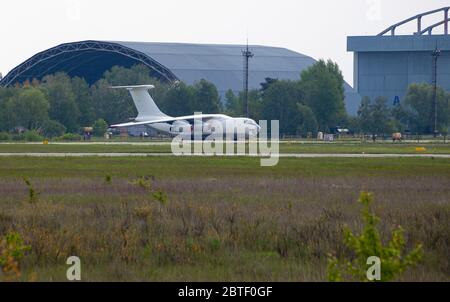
x=220, y=64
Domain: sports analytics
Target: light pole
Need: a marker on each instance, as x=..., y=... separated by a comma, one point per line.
x=436, y=53
x=247, y=55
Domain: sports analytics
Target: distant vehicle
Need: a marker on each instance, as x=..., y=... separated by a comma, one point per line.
x=113, y=131
x=340, y=130
x=150, y=115
x=328, y=137
x=397, y=137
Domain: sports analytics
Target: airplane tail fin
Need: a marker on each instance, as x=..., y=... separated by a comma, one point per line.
x=145, y=105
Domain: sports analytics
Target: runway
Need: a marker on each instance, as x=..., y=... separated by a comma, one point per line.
x=284, y=155
x=168, y=143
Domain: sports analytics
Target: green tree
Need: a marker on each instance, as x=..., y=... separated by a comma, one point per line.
x=113, y=105
x=254, y=104
x=381, y=116
x=206, y=97
x=28, y=109
x=354, y=124
x=279, y=102
x=400, y=119
x=266, y=84
x=308, y=121
x=233, y=104
x=63, y=106
x=83, y=99
x=100, y=127
x=419, y=110
x=5, y=117
x=365, y=115
x=323, y=89
x=136, y=75
x=376, y=117
x=179, y=100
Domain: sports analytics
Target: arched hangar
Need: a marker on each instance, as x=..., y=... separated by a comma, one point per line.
x=219, y=64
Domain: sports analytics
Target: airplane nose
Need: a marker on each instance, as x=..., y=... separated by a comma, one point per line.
x=256, y=130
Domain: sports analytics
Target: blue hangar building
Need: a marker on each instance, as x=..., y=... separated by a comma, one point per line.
x=386, y=64
x=219, y=64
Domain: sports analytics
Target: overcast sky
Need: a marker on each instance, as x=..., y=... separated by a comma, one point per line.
x=317, y=28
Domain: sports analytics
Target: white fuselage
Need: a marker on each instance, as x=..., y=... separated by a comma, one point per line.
x=218, y=124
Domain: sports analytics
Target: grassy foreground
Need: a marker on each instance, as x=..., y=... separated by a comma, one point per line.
x=223, y=219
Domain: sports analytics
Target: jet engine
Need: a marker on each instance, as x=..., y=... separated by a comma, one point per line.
x=179, y=127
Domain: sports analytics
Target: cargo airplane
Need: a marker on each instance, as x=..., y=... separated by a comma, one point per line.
x=197, y=126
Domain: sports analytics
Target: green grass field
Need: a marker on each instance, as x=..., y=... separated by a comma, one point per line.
x=224, y=218
x=290, y=147
x=199, y=167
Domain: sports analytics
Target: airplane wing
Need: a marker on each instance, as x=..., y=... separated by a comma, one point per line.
x=189, y=118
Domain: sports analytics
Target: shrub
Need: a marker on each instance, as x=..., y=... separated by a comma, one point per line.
x=12, y=250
x=33, y=195
x=394, y=259
x=108, y=179
x=53, y=128
x=160, y=196
x=214, y=244
x=100, y=127
x=70, y=137
x=143, y=182
x=4, y=136
x=29, y=136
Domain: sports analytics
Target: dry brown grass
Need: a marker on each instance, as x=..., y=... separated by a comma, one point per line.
x=223, y=228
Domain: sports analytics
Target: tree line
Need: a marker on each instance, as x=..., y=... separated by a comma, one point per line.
x=415, y=114
x=313, y=102
x=60, y=104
